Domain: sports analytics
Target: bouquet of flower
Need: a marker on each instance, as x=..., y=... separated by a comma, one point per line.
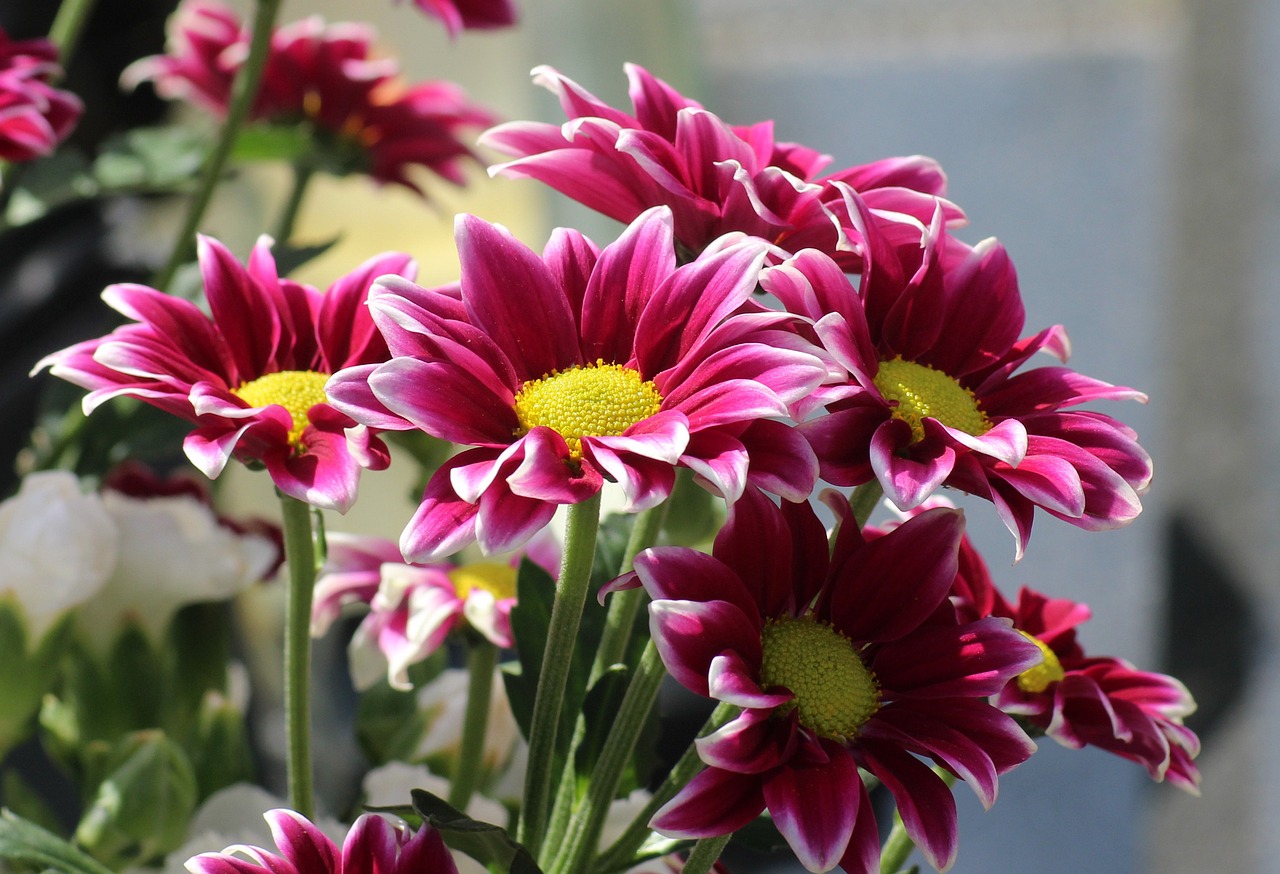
x=713, y=452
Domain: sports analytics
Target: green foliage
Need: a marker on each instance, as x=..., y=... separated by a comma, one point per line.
x=143, y=804
x=25, y=843
x=488, y=844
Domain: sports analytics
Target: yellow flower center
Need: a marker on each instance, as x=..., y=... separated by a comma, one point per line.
x=1040, y=677
x=593, y=400
x=835, y=693
x=921, y=391
x=295, y=390
x=494, y=577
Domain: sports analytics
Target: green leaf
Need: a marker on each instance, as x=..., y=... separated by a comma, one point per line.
x=599, y=709
x=26, y=843
x=143, y=807
x=488, y=844
x=271, y=142
x=530, y=618
x=290, y=258
x=165, y=158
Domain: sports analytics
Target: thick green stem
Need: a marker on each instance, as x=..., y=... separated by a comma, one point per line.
x=68, y=25
x=244, y=91
x=302, y=174
x=623, y=606
x=566, y=612
x=704, y=854
x=622, y=852
x=864, y=500
x=482, y=661
x=300, y=557
x=584, y=831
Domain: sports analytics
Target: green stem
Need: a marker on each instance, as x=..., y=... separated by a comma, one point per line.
x=864, y=500
x=704, y=854
x=300, y=556
x=897, y=847
x=623, y=606
x=243, y=93
x=68, y=26
x=621, y=853
x=584, y=831
x=566, y=612
x=302, y=173
x=482, y=661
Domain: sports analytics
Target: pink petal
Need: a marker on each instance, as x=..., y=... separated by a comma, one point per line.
x=713, y=803
x=815, y=807
x=690, y=634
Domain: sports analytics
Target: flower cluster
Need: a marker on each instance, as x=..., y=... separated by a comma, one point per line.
x=760, y=325
x=34, y=116
x=324, y=77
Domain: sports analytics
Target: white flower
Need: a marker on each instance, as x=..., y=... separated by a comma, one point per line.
x=444, y=700
x=172, y=552
x=58, y=547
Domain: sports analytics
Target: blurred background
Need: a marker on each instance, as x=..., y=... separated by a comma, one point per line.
x=1127, y=152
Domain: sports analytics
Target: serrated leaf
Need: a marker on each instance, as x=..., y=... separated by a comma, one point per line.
x=488, y=844
x=26, y=843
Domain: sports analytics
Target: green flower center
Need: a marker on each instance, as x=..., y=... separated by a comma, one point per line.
x=1040, y=677
x=921, y=391
x=295, y=390
x=835, y=693
x=494, y=577
x=593, y=400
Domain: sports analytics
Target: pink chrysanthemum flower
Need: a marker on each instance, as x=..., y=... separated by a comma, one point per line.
x=840, y=660
x=364, y=118
x=1079, y=700
x=251, y=377
x=478, y=14
x=413, y=608
x=34, y=116
x=930, y=342
x=714, y=176
x=579, y=366
x=372, y=844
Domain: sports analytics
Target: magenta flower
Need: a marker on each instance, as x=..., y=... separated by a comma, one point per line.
x=372, y=844
x=479, y=14
x=251, y=378
x=413, y=608
x=364, y=118
x=34, y=116
x=930, y=342
x=842, y=660
x=579, y=366
x=714, y=176
x=1080, y=700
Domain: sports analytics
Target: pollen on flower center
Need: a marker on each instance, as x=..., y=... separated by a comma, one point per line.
x=835, y=693
x=295, y=390
x=494, y=577
x=921, y=391
x=593, y=400
x=1040, y=677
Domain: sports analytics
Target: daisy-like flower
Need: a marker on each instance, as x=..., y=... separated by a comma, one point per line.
x=413, y=608
x=34, y=116
x=1081, y=700
x=363, y=118
x=478, y=14
x=251, y=377
x=373, y=844
x=714, y=176
x=930, y=343
x=840, y=660
x=579, y=366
